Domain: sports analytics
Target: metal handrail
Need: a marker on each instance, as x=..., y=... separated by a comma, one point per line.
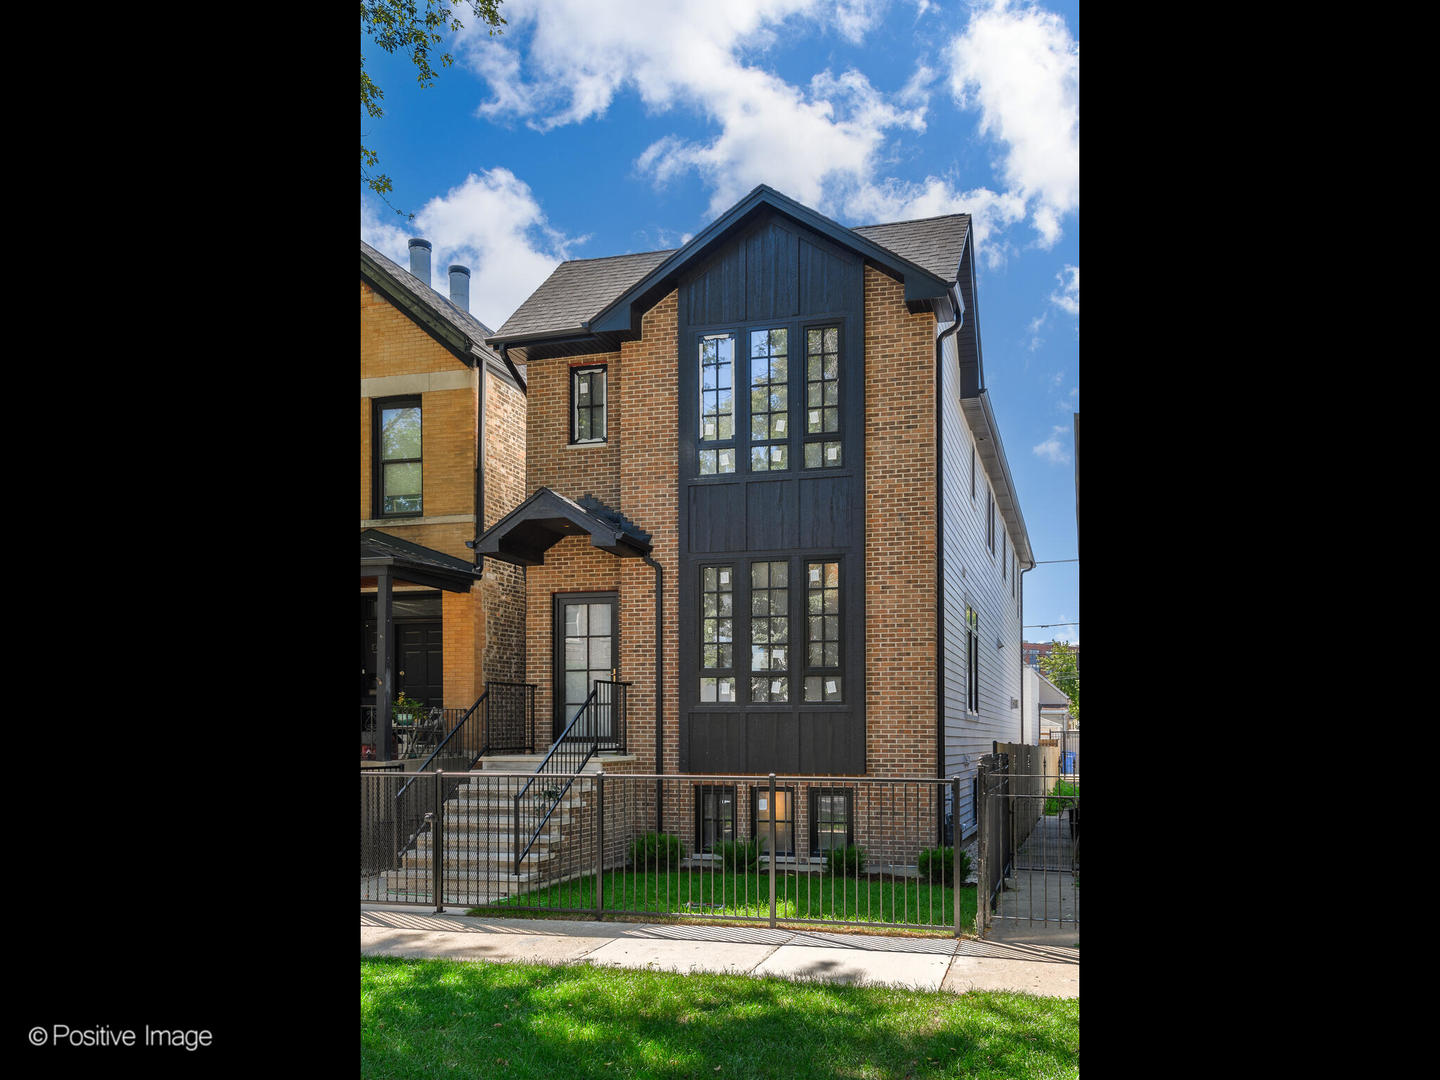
x=564, y=757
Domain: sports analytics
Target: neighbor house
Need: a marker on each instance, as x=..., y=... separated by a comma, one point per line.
x=442, y=454
x=766, y=491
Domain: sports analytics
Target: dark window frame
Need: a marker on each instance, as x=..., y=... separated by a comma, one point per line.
x=786, y=441
x=748, y=623
x=379, y=406
x=806, y=437
x=805, y=669
x=815, y=794
x=972, y=659
x=576, y=373
x=737, y=337
x=990, y=518
x=763, y=836
x=718, y=790
x=717, y=673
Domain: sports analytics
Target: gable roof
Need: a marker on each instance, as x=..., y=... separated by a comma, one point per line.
x=587, y=299
x=450, y=325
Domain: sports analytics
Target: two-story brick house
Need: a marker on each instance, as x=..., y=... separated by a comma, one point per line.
x=767, y=489
x=442, y=452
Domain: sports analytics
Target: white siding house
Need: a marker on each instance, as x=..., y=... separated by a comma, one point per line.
x=984, y=549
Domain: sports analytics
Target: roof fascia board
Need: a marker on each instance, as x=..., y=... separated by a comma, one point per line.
x=992, y=456
x=920, y=284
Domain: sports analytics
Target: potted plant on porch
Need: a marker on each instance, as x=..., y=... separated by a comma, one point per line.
x=407, y=711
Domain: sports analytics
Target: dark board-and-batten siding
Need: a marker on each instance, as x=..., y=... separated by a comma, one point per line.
x=774, y=273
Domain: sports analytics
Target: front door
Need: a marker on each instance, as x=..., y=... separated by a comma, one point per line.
x=585, y=651
x=419, y=662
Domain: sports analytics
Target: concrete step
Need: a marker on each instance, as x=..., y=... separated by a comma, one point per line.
x=396, y=881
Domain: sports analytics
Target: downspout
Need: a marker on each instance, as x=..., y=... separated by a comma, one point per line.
x=659, y=690
x=958, y=310
x=480, y=472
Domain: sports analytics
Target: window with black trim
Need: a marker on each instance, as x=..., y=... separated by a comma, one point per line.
x=769, y=400
x=989, y=519
x=823, y=676
x=717, y=635
x=397, y=469
x=832, y=819
x=972, y=659
x=587, y=404
x=717, y=404
x=822, y=399
x=784, y=811
x=769, y=631
x=972, y=471
x=714, y=816
x=1004, y=560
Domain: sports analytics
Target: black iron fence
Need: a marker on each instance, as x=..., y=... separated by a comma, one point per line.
x=796, y=850
x=502, y=720
x=1029, y=844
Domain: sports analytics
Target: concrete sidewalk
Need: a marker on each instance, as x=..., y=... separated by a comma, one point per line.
x=1036, y=966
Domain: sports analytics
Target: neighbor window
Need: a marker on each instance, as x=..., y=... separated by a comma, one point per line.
x=972, y=659
x=822, y=398
x=717, y=404
x=831, y=819
x=717, y=634
x=822, y=632
x=397, y=457
x=989, y=519
x=587, y=404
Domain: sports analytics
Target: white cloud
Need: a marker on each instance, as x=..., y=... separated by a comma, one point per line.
x=1033, y=331
x=1067, y=298
x=1052, y=449
x=1021, y=68
x=490, y=223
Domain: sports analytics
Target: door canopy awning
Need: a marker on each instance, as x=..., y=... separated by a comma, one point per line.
x=547, y=517
x=414, y=563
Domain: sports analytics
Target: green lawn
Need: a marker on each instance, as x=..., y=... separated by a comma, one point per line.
x=798, y=896
x=441, y=1019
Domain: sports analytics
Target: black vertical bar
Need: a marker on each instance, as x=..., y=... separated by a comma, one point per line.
x=772, y=851
x=600, y=845
x=384, y=647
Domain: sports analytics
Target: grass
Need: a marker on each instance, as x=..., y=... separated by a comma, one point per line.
x=443, y=1019
x=798, y=896
x=1063, y=794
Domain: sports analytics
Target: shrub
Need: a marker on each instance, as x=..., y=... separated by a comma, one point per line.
x=738, y=854
x=1064, y=794
x=848, y=861
x=657, y=851
x=938, y=864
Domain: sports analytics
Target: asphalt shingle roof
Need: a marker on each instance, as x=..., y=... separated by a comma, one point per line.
x=580, y=289
x=462, y=320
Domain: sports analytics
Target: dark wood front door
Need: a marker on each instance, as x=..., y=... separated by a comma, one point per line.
x=419, y=662
x=585, y=649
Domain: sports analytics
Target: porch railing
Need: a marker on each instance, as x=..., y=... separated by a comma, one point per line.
x=598, y=725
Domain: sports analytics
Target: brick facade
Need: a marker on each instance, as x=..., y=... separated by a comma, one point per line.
x=483, y=629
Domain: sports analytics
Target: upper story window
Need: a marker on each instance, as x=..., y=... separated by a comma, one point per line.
x=972, y=659
x=1003, y=563
x=972, y=471
x=587, y=404
x=822, y=632
x=989, y=519
x=769, y=400
x=717, y=404
x=397, y=468
x=822, y=398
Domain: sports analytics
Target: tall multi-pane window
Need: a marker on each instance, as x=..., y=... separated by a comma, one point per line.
x=398, y=458
x=822, y=398
x=822, y=632
x=831, y=820
x=587, y=404
x=972, y=659
x=715, y=816
x=717, y=634
x=769, y=631
x=769, y=400
x=717, y=404
x=784, y=814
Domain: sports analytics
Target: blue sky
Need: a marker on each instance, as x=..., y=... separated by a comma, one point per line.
x=600, y=127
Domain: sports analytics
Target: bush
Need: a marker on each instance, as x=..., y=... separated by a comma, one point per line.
x=657, y=851
x=848, y=861
x=1063, y=795
x=738, y=854
x=938, y=864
